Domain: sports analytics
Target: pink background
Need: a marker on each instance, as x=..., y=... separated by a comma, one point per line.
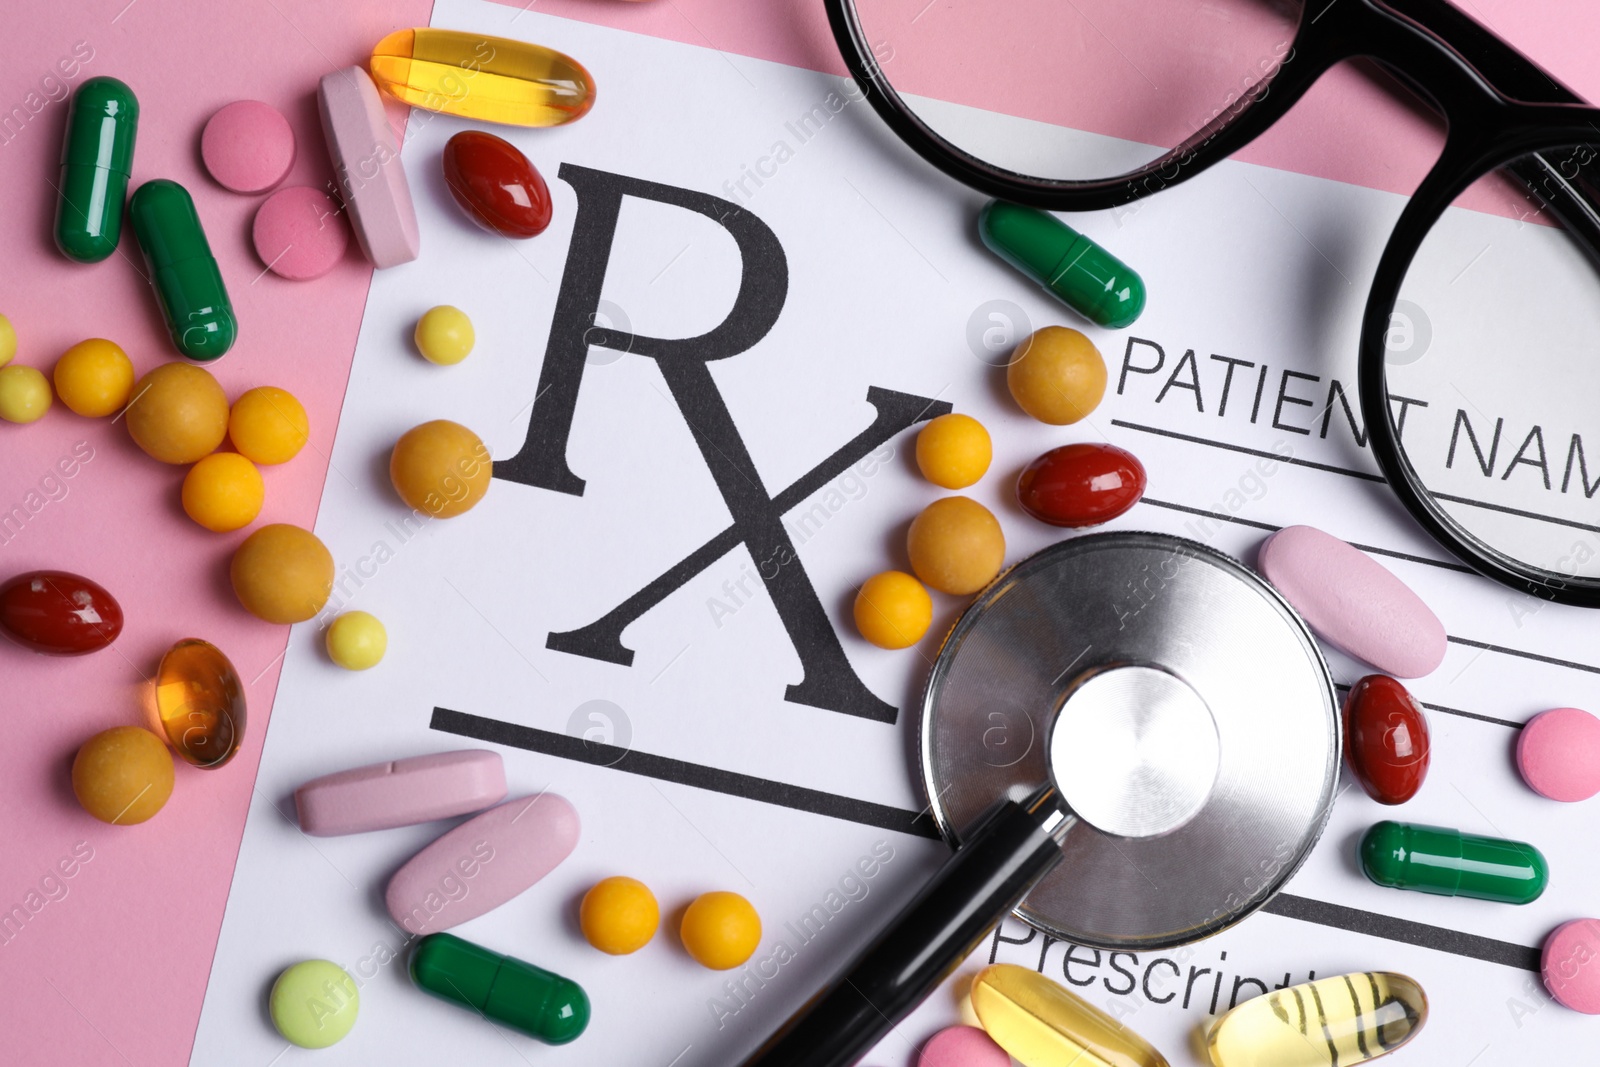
x=114, y=971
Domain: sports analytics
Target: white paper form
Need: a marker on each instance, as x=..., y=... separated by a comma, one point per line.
x=888, y=304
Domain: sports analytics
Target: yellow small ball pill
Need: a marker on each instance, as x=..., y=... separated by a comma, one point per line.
x=1057, y=375
x=893, y=610
x=357, y=640
x=268, y=425
x=8, y=341
x=178, y=413
x=444, y=335
x=721, y=930
x=123, y=775
x=282, y=574
x=440, y=468
x=94, y=378
x=953, y=451
x=619, y=915
x=956, y=545
x=223, y=492
x=24, y=394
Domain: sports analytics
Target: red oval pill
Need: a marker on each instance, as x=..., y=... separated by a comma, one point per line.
x=1081, y=485
x=496, y=185
x=1385, y=739
x=58, y=613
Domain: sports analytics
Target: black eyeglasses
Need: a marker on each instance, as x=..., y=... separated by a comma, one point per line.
x=1479, y=372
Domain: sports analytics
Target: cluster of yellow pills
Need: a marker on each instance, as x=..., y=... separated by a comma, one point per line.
x=720, y=930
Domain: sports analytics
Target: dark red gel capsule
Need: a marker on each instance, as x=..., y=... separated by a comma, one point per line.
x=496, y=185
x=1385, y=739
x=58, y=613
x=1081, y=485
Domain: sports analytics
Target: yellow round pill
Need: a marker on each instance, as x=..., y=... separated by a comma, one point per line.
x=619, y=915
x=268, y=425
x=893, y=610
x=440, y=468
x=720, y=930
x=956, y=545
x=282, y=574
x=444, y=335
x=953, y=451
x=357, y=640
x=178, y=413
x=94, y=378
x=123, y=775
x=223, y=492
x=24, y=394
x=8, y=341
x=1057, y=375
x=314, y=1003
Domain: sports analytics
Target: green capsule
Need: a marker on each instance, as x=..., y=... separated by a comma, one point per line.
x=186, y=279
x=1433, y=859
x=524, y=997
x=1078, y=272
x=96, y=159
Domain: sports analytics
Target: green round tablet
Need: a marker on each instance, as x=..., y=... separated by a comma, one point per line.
x=314, y=1003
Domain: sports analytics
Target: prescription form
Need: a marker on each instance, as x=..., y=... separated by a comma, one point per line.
x=602, y=620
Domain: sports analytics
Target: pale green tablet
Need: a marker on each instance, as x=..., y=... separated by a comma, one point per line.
x=314, y=1003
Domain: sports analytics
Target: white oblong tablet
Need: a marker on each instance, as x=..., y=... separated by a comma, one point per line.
x=401, y=793
x=366, y=164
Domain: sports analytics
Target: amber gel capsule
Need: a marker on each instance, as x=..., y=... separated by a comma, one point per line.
x=519, y=995
x=1042, y=1023
x=96, y=159
x=185, y=277
x=1434, y=859
x=1075, y=270
x=1345, y=1020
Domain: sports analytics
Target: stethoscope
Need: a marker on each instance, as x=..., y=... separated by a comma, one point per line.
x=1132, y=742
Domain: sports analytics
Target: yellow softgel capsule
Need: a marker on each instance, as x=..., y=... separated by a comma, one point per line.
x=282, y=574
x=488, y=79
x=619, y=915
x=94, y=378
x=24, y=394
x=8, y=341
x=440, y=468
x=1043, y=1024
x=444, y=335
x=268, y=425
x=1057, y=375
x=956, y=545
x=893, y=610
x=721, y=930
x=1349, y=1019
x=953, y=451
x=357, y=640
x=178, y=413
x=123, y=775
x=223, y=492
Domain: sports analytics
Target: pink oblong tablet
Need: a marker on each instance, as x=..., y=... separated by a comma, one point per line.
x=1570, y=965
x=1558, y=754
x=1353, y=602
x=366, y=164
x=402, y=793
x=247, y=146
x=298, y=233
x=482, y=863
x=962, y=1046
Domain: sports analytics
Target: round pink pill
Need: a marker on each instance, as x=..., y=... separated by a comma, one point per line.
x=1570, y=965
x=299, y=233
x=1559, y=754
x=963, y=1046
x=247, y=146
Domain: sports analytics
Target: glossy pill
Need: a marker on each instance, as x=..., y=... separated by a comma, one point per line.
x=1558, y=754
x=490, y=79
x=962, y=1046
x=223, y=492
x=94, y=378
x=1081, y=485
x=58, y=613
x=178, y=413
x=1385, y=739
x=247, y=146
x=357, y=640
x=314, y=1003
x=956, y=545
x=619, y=915
x=96, y=159
x=444, y=335
x=299, y=233
x=24, y=394
x=1435, y=859
x=282, y=574
x=123, y=775
x=720, y=930
x=1070, y=267
x=953, y=451
x=1569, y=963
x=268, y=425
x=503, y=989
x=200, y=702
x=403, y=792
x=893, y=610
x=1057, y=375
x=1043, y=1024
x=495, y=186
x=366, y=164
x=186, y=279
x=1348, y=1019
x=440, y=468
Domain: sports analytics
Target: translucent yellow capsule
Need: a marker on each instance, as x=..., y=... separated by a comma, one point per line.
x=1043, y=1024
x=1345, y=1020
x=490, y=79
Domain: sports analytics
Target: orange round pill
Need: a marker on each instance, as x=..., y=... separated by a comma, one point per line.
x=123, y=775
x=440, y=468
x=178, y=413
x=956, y=545
x=282, y=574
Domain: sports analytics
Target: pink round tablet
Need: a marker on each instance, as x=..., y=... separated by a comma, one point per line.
x=1570, y=965
x=963, y=1046
x=299, y=233
x=247, y=146
x=1559, y=754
